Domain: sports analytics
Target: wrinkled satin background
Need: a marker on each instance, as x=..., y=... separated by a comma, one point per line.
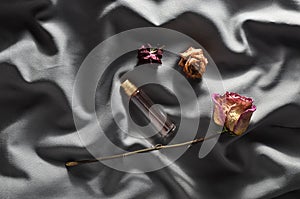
x=255, y=44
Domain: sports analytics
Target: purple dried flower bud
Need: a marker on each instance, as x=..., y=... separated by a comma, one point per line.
x=149, y=55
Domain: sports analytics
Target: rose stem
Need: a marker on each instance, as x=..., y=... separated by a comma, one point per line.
x=154, y=148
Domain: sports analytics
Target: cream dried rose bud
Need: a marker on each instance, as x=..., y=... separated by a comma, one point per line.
x=233, y=111
x=193, y=62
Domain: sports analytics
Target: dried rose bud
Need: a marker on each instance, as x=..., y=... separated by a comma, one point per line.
x=149, y=55
x=233, y=111
x=193, y=62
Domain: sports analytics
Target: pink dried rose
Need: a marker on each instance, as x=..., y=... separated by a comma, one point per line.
x=233, y=111
x=193, y=62
x=149, y=55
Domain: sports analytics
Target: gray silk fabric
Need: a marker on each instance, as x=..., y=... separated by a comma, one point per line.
x=254, y=43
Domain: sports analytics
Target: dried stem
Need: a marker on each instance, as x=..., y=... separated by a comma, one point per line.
x=154, y=148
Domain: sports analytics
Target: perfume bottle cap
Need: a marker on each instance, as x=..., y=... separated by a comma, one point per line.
x=128, y=87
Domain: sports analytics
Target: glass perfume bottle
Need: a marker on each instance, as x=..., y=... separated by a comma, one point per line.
x=157, y=117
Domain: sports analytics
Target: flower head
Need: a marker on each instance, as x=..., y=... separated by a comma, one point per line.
x=233, y=111
x=149, y=55
x=193, y=62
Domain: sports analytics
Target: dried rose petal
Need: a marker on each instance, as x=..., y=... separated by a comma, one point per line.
x=193, y=62
x=149, y=55
x=233, y=111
